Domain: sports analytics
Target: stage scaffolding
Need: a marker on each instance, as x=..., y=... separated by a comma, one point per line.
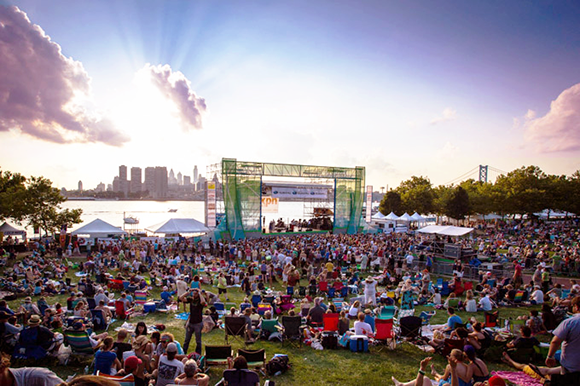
x=242, y=193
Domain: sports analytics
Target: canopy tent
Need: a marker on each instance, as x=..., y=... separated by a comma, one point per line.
x=548, y=213
x=391, y=216
x=417, y=217
x=378, y=216
x=445, y=230
x=99, y=228
x=9, y=230
x=406, y=217
x=179, y=225
x=490, y=216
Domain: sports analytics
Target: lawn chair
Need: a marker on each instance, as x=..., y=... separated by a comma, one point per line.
x=491, y=319
x=426, y=316
x=411, y=327
x=115, y=285
x=302, y=291
x=286, y=302
x=445, y=289
x=344, y=292
x=565, y=294
x=268, y=327
x=256, y=299
x=140, y=297
x=79, y=343
x=468, y=285
x=290, y=291
x=387, y=312
x=384, y=335
x=291, y=331
x=127, y=380
x=405, y=313
x=331, y=292
x=220, y=308
x=235, y=326
x=407, y=301
x=337, y=303
x=99, y=320
x=215, y=356
x=323, y=286
x=518, y=299
x=330, y=322
x=312, y=290
x=28, y=345
x=439, y=283
x=121, y=312
x=91, y=303
x=255, y=358
x=263, y=307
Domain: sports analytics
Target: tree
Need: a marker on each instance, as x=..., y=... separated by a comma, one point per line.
x=417, y=195
x=458, y=207
x=43, y=207
x=391, y=202
x=442, y=196
x=12, y=196
x=523, y=191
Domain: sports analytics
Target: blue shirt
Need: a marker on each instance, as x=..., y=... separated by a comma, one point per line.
x=104, y=361
x=453, y=320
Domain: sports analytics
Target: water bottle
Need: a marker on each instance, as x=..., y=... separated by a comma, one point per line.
x=86, y=369
x=278, y=373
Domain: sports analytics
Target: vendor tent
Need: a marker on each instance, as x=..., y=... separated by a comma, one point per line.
x=9, y=230
x=406, y=217
x=417, y=217
x=179, y=225
x=98, y=228
x=378, y=216
x=391, y=216
x=445, y=230
x=551, y=214
x=490, y=216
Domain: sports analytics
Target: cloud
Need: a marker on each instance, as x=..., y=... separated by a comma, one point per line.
x=449, y=151
x=177, y=88
x=559, y=129
x=43, y=93
x=447, y=115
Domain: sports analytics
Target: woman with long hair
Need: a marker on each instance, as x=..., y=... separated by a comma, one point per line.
x=106, y=361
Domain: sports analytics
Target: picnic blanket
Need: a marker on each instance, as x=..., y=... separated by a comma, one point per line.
x=182, y=316
x=131, y=327
x=517, y=378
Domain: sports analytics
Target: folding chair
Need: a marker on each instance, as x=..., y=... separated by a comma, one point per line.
x=291, y=331
x=468, y=285
x=323, y=286
x=330, y=322
x=384, y=335
x=115, y=285
x=127, y=380
x=445, y=289
x=301, y=291
x=337, y=303
x=215, y=356
x=235, y=326
x=229, y=306
x=99, y=320
x=491, y=319
x=286, y=302
x=243, y=306
x=120, y=311
x=290, y=291
x=255, y=358
x=344, y=292
x=426, y=316
x=91, y=303
x=79, y=343
x=404, y=313
x=519, y=297
x=140, y=297
x=256, y=299
x=387, y=312
x=407, y=301
x=262, y=308
x=565, y=293
x=331, y=292
x=410, y=327
x=268, y=327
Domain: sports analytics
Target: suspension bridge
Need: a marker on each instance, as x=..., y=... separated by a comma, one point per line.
x=482, y=173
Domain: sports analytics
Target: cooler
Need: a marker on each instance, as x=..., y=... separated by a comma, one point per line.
x=359, y=343
x=149, y=307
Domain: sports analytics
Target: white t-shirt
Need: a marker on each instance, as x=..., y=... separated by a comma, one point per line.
x=437, y=299
x=35, y=376
x=181, y=287
x=168, y=371
x=370, y=287
x=485, y=303
x=362, y=328
x=471, y=306
x=538, y=296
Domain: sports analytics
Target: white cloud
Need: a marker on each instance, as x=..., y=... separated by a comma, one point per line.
x=177, y=88
x=447, y=115
x=449, y=151
x=531, y=114
x=559, y=129
x=43, y=93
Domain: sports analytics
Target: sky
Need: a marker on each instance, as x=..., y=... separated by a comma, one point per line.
x=402, y=88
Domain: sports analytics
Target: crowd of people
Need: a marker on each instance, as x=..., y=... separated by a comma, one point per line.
x=373, y=270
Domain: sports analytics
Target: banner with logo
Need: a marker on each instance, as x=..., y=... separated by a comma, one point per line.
x=302, y=192
x=210, y=205
x=270, y=204
x=369, y=203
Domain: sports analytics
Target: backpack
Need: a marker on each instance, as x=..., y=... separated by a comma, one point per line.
x=278, y=364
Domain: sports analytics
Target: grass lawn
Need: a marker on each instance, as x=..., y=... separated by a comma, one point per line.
x=309, y=366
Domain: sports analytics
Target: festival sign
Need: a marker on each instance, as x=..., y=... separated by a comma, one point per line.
x=369, y=203
x=210, y=205
x=270, y=204
x=301, y=192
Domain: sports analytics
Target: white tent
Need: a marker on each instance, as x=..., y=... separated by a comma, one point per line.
x=406, y=217
x=9, y=230
x=391, y=216
x=99, y=228
x=548, y=213
x=445, y=230
x=417, y=217
x=179, y=225
x=378, y=216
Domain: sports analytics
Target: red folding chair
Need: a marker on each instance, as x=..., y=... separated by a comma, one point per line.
x=330, y=322
x=384, y=335
x=323, y=286
x=120, y=310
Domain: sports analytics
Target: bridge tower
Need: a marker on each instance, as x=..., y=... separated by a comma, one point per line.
x=483, y=173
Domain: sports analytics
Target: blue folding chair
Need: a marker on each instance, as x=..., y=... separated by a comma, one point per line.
x=256, y=299
x=290, y=291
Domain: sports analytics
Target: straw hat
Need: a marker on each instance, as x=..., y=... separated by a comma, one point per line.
x=34, y=320
x=369, y=279
x=140, y=341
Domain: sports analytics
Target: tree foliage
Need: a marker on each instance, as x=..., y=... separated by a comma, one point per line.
x=458, y=206
x=417, y=195
x=34, y=201
x=391, y=202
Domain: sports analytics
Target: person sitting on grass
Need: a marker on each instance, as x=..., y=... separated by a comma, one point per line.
x=537, y=372
x=525, y=340
x=464, y=372
x=191, y=376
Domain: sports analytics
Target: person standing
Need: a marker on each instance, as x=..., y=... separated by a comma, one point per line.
x=517, y=278
x=567, y=334
x=370, y=291
x=194, y=323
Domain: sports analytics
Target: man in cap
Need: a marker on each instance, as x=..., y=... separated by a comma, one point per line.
x=194, y=323
x=169, y=368
x=29, y=308
x=134, y=366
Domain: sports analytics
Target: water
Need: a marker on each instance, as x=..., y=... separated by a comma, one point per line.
x=151, y=213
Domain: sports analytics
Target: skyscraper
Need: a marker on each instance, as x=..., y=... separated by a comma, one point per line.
x=123, y=183
x=135, y=180
x=179, y=178
x=150, y=181
x=187, y=181
x=160, y=182
x=195, y=174
x=172, y=180
x=80, y=186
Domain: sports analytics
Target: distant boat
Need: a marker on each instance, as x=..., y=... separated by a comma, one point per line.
x=172, y=210
x=131, y=220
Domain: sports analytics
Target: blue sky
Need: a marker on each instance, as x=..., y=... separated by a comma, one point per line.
x=428, y=88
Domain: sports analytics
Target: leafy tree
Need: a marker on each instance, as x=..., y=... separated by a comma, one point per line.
x=12, y=196
x=391, y=202
x=442, y=196
x=523, y=190
x=458, y=207
x=417, y=195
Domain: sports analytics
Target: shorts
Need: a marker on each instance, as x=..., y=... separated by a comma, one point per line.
x=528, y=370
x=222, y=291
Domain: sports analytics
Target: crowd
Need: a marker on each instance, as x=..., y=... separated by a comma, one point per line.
x=375, y=271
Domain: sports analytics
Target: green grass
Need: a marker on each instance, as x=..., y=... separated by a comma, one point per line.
x=308, y=366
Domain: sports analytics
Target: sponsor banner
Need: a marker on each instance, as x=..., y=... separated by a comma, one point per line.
x=369, y=203
x=210, y=205
x=270, y=204
x=287, y=192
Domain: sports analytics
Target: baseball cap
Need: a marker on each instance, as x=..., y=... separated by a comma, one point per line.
x=496, y=381
x=171, y=347
x=132, y=363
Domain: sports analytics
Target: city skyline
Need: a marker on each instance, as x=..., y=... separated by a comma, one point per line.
x=401, y=88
